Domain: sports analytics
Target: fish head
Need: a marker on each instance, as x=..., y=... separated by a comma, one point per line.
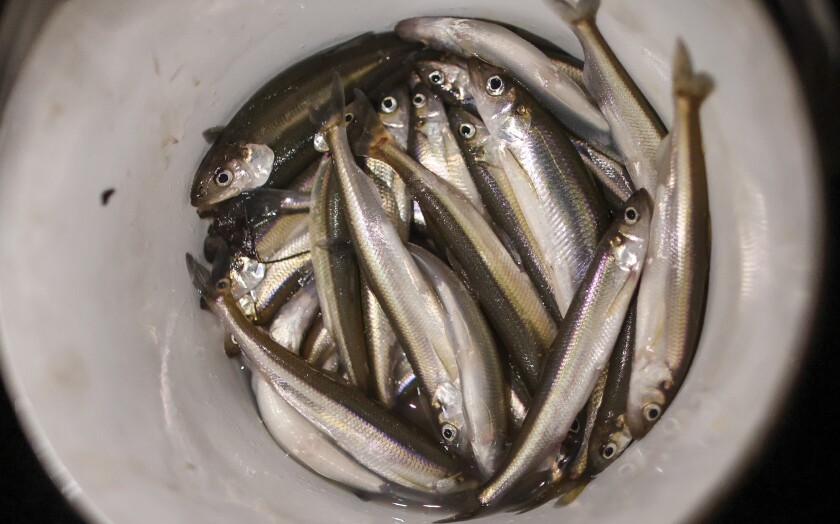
x=427, y=111
x=630, y=231
x=393, y=112
x=448, y=80
x=365, y=131
x=649, y=393
x=229, y=169
x=473, y=136
x=606, y=444
x=441, y=33
x=499, y=101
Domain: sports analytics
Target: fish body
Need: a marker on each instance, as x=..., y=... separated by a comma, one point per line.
x=270, y=137
x=636, y=128
x=507, y=295
x=479, y=367
x=411, y=305
x=482, y=155
x=501, y=47
x=362, y=428
x=570, y=216
x=337, y=275
x=673, y=289
x=282, y=279
x=582, y=349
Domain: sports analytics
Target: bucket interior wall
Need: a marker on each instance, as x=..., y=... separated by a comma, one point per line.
x=120, y=379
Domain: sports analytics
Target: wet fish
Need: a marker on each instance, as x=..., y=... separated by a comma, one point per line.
x=409, y=302
x=481, y=152
x=337, y=275
x=636, y=128
x=479, y=367
x=270, y=137
x=358, y=425
x=450, y=81
x=393, y=111
x=673, y=290
x=507, y=296
x=282, y=279
x=433, y=145
x=525, y=62
x=318, y=345
x=570, y=214
x=582, y=349
x=293, y=320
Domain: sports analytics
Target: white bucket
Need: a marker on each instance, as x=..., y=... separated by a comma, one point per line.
x=120, y=379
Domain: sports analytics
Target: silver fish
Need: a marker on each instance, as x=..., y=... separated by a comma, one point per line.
x=358, y=425
x=525, y=62
x=635, y=126
x=409, y=302
x=673, y=289
x=282, y=279
x=432, y=143
x=505, y=292
x=393, y=111
x=482, y=154
x=582, y=349
x=571, y=215
x=479, y=368
x=337, y=275
x=318, y=346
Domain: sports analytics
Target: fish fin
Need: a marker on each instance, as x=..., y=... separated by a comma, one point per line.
x=367, y=129
x=574, y=11
x=686, y=81
x=212, y=133
x=331, y=114
x=200, y=276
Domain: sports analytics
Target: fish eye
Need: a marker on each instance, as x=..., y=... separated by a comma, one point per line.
x=575, y=427
x=467, y=130
x=389, y=104
x=436, y=78
x=419, y=100
x=222, y=284
x=495, y=85
x=609, y=450
x=348, y=117
x=449, y=432
x=631, y=216
x=652, y=412
x=224, y=178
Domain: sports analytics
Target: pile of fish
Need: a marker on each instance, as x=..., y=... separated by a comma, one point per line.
x=476, y=283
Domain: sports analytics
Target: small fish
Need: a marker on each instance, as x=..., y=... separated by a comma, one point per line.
x=293, y=320
x=481, y=152
x=362, y=428
x=571, y=215
x=581, y=351
x=636, y=128
x=432, y=143
x=611, y=175
x=506, y=294
x=337, y=275
x=479, y=367
x=270, y=137
x=501, y=47
x=672, y=293
x=409, y=302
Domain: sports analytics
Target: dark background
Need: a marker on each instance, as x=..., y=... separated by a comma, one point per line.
x=794, y=478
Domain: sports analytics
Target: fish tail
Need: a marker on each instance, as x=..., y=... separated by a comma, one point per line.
x=200, y=275
x=368, y=129
x=331, y=114
x=574, y=11
x=686, y=81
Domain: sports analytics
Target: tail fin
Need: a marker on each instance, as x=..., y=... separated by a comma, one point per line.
x=331, y=114
x=366, y=127
x=200, y=277
x=686, y=81
x=574, y=11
